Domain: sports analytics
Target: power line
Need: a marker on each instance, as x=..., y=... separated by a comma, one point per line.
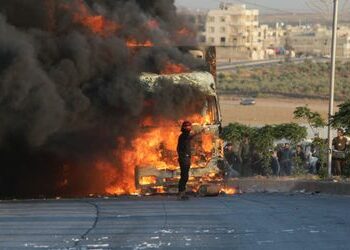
x=324, y=8
x=318, y=7
x=344, y=9
x=265, y=7
x=260, y=6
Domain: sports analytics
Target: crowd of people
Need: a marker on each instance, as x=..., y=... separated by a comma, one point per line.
x=285, y=160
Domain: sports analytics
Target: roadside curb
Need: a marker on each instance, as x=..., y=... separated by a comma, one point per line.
x=252, y=185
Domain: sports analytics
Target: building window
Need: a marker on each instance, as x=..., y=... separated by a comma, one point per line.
x=212, y=40
x=212, y=29
x=223, y=39
x=211, y=19
x=223, y=19
x=223, y=29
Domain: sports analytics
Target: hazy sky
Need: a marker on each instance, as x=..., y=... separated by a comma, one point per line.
x=263, y=5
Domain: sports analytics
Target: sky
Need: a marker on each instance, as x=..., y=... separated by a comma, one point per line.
x=289, y=5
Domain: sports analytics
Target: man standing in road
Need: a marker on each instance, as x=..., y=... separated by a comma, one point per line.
x=339, y=155
x=184, y=154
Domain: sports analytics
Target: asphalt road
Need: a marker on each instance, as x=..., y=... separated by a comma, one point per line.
x=248, y=221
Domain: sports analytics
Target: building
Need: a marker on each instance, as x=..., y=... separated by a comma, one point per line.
x=234, y=30
x=238, y=35
x=272, y=38
x=317, y=40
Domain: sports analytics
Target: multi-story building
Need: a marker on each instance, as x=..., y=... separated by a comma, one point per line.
x=237, y=34
x=234, y=29
x=317, y=40
x=272, y=38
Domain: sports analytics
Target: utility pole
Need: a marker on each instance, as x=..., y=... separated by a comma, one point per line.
x=332, y=83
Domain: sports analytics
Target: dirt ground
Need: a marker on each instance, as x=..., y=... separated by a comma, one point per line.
x=269, y=110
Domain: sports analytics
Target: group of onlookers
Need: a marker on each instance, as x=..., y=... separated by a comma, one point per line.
x=305, y=158
x=284, y=160
x=308, y=158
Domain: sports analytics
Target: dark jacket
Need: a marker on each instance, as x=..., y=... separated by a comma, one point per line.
x=184, y=148
x=300, y=155
x=285, y=155
x=275, y=165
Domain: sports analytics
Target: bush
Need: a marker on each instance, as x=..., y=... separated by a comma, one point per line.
x=261, y=140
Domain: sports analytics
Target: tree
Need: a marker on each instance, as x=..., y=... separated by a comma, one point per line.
x=262, y=139
x=314, y=119
x=290, y=131
x=235, y=132
x=341, y=119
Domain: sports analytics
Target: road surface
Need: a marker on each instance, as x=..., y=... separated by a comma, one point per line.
x=248, y=221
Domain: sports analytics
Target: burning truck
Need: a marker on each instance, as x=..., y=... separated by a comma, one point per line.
x=80, y=117
x=158, y=171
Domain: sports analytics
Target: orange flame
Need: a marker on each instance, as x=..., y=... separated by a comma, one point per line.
x=133, y=43
x=172, y=68
x=97, y=24
x=152, y=24
x=229, y=191
x=147, y=180
x=184, y=32
x=154, y=146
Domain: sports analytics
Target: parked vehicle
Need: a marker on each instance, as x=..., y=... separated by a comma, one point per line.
x=248, y=101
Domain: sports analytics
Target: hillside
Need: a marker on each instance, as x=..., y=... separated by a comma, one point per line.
x=308, y=79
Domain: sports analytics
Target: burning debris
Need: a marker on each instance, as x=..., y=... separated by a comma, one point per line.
x=76, y=118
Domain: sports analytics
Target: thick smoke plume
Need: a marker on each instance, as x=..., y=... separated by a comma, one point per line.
x=69, y=86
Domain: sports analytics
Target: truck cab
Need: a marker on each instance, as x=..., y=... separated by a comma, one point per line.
x=162, y=175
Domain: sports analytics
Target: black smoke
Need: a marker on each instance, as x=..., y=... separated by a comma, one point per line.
x=66, y=92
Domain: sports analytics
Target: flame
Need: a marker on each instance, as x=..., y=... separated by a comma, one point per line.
x=207, y=142
x=172, y=68
x=152, y=24
x=154, y=146
x=229, y=190
x=159, y=190
x=97, y=24
x=113, y=174
x=133, y=43
x=184, y=32
x=148, y=180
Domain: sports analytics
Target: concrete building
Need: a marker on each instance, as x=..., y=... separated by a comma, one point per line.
x=238, y=35
x=234, y=29
x=272, y=37
x=317, y=40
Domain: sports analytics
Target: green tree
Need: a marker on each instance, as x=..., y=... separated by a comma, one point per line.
x=341, y=119
x=262, y=139
x=235, y=132
x=290, y=131
x=314, y=119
